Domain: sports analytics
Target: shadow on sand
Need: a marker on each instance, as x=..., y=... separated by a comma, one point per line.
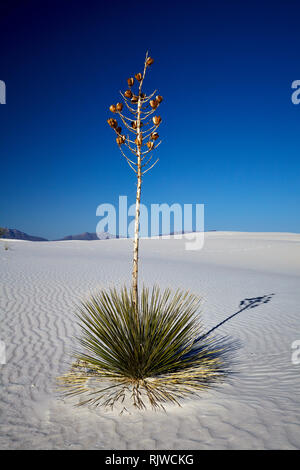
x=244, y=305
x=222, y=348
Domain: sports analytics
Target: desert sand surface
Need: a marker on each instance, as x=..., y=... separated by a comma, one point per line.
x=258, y=407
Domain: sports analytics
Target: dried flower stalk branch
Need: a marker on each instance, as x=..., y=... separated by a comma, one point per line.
x=141, y=107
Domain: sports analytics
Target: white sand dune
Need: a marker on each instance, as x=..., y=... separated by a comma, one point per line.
x=257, y=408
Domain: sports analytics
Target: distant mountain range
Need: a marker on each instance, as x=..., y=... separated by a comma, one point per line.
x=88, y=236
x=15, y=234
x=18, y=235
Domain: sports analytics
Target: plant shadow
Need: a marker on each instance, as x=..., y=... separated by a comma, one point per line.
x=244, y=305
x=223, y=348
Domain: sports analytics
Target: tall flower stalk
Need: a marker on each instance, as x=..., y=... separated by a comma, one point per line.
x=140, y=106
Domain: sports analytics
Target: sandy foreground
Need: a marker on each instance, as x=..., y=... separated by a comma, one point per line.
x=257, y=408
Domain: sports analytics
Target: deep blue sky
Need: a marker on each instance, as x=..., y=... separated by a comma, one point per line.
x=231, y=133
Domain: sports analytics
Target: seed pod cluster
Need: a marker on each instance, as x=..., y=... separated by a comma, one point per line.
x=153, y=104
x=116, y=108
x=138, y=77
x=149, y=61
x=156, y=120
x=112, y=122
x=150, y=145
x=120, y=139
x=130, y=81
x=134, y=124
x=156, y=102
x=134, y=98
x=154, y=136
x=128, y=93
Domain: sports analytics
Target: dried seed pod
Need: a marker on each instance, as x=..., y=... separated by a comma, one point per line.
x=119, y=130
x=153, y=104
x=150, y=145
x=134, y=124
x=154, y=136
x=112, y=122
x=138, y=77
x=149, y=61
x=120, y=140
x=139, y=140
x=112, y=108
x=119, y=107
x=156, y=120
x=128, y=93
x=130, y=81
x=134, y=99
x=142, y=95
x=159, y=98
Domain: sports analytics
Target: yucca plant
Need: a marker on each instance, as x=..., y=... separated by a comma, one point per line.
x=147, y=346
x=156, y=360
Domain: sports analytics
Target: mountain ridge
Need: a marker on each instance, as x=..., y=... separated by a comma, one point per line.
x=88, y=236
x=14, y=234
